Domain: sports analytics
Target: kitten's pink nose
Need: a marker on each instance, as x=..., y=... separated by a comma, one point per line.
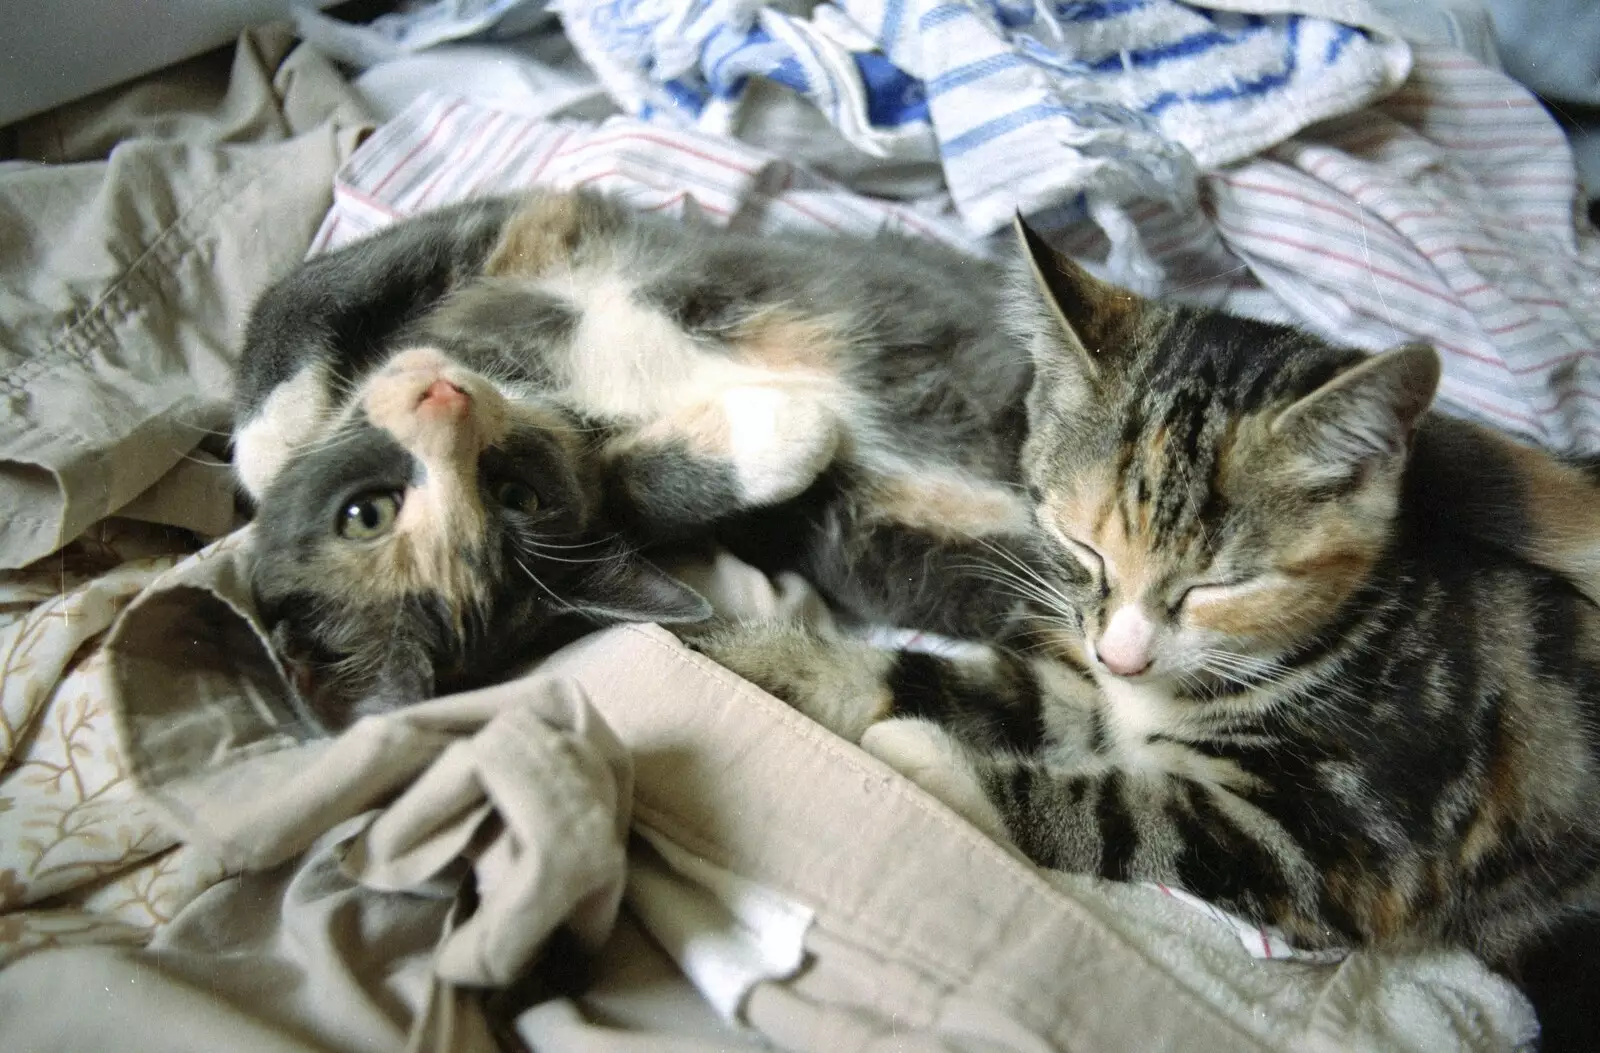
x=1125, y=645
x=444, y=398
x=1121, y=665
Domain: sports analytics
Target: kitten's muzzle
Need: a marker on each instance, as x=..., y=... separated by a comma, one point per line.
x=434, y=407
x=444, y=399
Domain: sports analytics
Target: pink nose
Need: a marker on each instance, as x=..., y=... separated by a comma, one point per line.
x=1124, y=665
x=1125, y=645
x=445, y=398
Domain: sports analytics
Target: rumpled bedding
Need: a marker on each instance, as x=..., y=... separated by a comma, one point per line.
x=168, y=831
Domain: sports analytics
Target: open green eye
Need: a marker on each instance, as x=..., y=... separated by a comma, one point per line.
x=369, y=516
x=519, y=497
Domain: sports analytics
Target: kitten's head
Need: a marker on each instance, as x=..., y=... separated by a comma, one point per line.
x=1213, y=489
x=422, y=544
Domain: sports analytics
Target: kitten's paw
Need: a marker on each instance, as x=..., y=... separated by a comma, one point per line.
x=838, y=683
x=931, y=757
x=779, y=441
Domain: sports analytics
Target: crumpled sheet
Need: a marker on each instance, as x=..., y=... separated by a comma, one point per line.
x=819, y=900
x=131, y=245
x=1028, y=105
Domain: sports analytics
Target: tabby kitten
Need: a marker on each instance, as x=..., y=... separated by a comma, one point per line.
x=1271, y=667
x=442, y=425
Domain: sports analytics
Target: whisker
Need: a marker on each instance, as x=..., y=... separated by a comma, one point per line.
x=1029, y=572
x=542, y=554
x=563, y=604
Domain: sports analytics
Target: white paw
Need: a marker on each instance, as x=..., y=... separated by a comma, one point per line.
x=780, y=441
x=295, y=413
x=932, y=758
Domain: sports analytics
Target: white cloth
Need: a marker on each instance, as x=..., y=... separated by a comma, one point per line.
x=1027, y=104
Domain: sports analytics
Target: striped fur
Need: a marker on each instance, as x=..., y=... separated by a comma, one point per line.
x=1285, y=655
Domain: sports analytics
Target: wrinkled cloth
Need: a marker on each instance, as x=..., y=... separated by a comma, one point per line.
x=1444, y=214
x=539, y=790
x=1028, y=105
x=130, y=252
x=820, y=900
x=416, y=27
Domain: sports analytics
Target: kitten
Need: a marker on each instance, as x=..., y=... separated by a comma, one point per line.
x=1272, y=666
x=441, y=424
x=418, y=529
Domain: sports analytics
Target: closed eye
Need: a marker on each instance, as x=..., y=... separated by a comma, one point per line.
x=1217, y=592
x=1086, y=554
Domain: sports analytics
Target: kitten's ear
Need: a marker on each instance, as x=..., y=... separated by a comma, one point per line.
x=1366, y=412
x=1090, y=317
x=629, y=588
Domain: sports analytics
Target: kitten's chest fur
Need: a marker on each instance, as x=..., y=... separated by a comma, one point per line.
x=1146, y=728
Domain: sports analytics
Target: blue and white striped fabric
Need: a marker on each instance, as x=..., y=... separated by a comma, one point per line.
x=1031, y=104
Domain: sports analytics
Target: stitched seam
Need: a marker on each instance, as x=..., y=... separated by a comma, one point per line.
x=95, y=325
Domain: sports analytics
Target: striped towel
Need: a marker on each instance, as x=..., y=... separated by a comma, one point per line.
x=1026, y=102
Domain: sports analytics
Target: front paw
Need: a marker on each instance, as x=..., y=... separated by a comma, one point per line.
x=932, y=758
x=836, y=682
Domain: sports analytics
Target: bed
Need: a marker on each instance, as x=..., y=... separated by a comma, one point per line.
x=198, y=869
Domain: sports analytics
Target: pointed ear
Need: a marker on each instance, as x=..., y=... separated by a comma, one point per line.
x=1091, y=318
x=1365, y=413
x=630, y=588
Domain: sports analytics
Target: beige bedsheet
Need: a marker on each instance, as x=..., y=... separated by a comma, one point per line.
x=192, y=869
x=309, y=887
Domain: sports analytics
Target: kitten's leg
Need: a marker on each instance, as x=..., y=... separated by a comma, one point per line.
x=748, y=447
x=294, y=414
x=932, y=758
x=883, y=570
x=840, y=684
x=993, y=699
x=1121, y=825
x=1011, y=744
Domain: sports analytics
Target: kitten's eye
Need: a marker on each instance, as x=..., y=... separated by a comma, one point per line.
x=369, y=516
x=1088, y=555
x=519, y=497
x=1211, y=592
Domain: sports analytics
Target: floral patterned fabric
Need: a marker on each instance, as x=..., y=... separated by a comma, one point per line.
x=82, y=859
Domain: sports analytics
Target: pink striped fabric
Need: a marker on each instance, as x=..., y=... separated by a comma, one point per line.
x=443, y=149
x=1447, y=214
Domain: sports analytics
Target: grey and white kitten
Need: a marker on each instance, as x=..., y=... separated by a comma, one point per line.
x=1296, y=651
x=443, y=427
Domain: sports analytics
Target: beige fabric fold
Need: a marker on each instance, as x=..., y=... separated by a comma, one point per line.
x=917, y=932
x=525, y=780
x=127, y=269
x=294, y=958
x=978, y=965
